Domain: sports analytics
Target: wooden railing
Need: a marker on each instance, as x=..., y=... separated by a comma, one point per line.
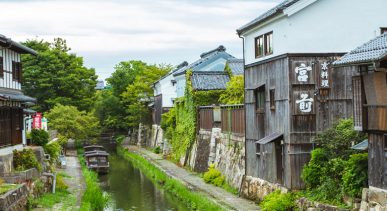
x=232, y=118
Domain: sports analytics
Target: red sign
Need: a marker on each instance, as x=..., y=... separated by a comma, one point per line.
x=37, y=121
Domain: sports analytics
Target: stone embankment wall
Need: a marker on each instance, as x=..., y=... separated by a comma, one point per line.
x=226, y=151
x=256, y=189
x=14, y=200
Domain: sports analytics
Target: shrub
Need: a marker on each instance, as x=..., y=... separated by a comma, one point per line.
x=39, y=137
x=212, y=176
x=157, y=150
x=313, y=171
x=355, y=177
x=53, y=149
x=119, y=139
x=278, y=201
x=25, y=159
x=60, y=184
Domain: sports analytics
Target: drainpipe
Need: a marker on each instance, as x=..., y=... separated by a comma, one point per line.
x=53, y=176
x=24, y=138
x=244, y=106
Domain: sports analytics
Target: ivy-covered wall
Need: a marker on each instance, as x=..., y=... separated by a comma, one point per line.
x=180, y=123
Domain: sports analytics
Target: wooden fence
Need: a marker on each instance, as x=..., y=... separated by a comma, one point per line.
x=231, y=118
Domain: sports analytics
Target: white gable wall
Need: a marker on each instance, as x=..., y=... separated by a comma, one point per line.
x=7, y=81
x=168, y=91
x=325, y=26
x=180, y=85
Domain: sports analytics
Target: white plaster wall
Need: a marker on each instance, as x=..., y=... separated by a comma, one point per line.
x=168, y=90
x=157, y=89
x=9, y=56
x=180, y=85
x=326, y=26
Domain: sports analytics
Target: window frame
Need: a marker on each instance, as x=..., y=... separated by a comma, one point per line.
x=383, y=30
x=260, y=99
x=268, y=44
x=1, y=67
x=385, y=142
x=16, y=71
x=259, y=52
x=272, y=99
x=258, y=149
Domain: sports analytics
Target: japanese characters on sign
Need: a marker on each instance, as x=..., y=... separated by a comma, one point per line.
x=37, y=121
x=324, y=75
x=305, y=103
x=302, y=72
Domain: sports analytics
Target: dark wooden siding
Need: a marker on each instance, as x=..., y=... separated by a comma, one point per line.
x=377, y=160
x=232, y=118
x=11, y=126
x=206, y=118
x=274, y=75
x=298, y=128
x=158, y=109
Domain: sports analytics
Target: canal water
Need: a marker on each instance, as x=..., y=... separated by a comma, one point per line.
x=130, y=189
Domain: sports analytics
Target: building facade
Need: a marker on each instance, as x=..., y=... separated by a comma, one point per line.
x=292, y=92
x=370, y=105
x=12, y=100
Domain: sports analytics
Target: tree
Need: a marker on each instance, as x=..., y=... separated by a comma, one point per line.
x=235, y=91
x=109, y=110
x=56, y=76
x=72, y=123
x=140, y=93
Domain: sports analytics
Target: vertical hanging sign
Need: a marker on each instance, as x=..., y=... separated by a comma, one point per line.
x=37, y=121
x=324, y=82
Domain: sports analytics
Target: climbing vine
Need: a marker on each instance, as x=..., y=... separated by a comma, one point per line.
x=180, y=122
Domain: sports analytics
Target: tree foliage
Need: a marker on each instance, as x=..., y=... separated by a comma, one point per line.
x=72, y=123
x=235, y=91
x=334, y=169
x=56, y=76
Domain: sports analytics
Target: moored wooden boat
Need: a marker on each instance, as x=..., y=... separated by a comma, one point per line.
x=97, y=161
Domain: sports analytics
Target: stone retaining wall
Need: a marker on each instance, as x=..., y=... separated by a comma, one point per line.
x=14, y=200
x=225, y=151
x=256, y=189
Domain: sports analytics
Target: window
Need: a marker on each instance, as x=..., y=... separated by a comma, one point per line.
x=383, y=30
x=1, y=67
x=260, y=99
x=272, y=97
x=258, y=149
x=385, y=142
x=264, y=45
x=259, y=47
x=269, y=43
x=16, y=71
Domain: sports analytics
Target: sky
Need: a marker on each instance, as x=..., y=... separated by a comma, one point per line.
x=105, y=32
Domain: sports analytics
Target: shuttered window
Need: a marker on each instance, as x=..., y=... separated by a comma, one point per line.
x=16, y=71
x=1, y=67
x=272, y=99
x=260, y=99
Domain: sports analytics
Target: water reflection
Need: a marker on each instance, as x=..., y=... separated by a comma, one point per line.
x=130, y=189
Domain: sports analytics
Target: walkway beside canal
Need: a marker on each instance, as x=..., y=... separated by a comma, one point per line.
x=193, y=181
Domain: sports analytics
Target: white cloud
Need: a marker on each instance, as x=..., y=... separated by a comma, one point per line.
x=98, y=28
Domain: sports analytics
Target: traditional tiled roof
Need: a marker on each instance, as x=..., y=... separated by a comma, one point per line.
x=178, y=67
x=14, y=95
x=209, y=80
x=8, y=43
x=236, y=66
x=369, y=52
x=267, y=15
x=205, y=58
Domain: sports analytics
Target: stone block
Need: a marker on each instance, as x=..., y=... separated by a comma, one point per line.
x=364, y=194
x=377, y=197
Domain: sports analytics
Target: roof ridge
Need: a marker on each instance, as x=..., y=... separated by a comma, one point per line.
x=221, y=48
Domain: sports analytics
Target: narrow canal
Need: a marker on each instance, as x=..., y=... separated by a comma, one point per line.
x=130, y=189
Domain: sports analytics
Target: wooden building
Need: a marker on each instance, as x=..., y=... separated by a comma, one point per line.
x=12, y=100
x=370, y=103
x=291, y=91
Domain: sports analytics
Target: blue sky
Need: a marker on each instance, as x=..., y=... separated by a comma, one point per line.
x=107, y=32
